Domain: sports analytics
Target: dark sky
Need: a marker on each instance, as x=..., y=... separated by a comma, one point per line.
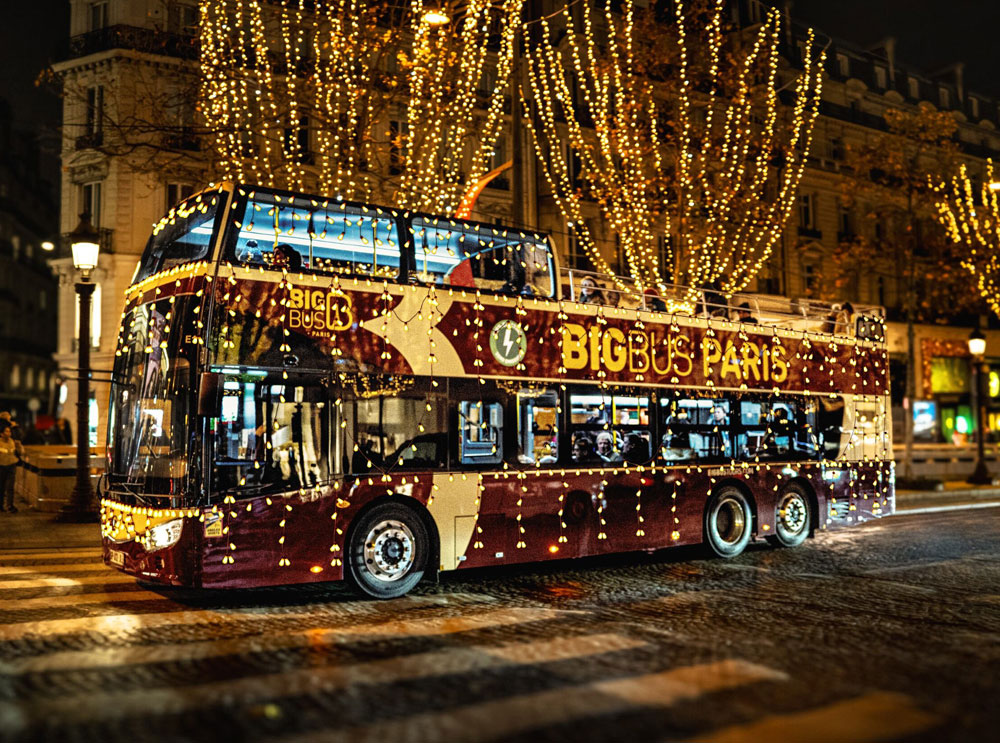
x=930, y=35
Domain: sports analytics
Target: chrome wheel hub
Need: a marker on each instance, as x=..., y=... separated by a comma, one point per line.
x=730, y=522
x=792, y=513
x=389, y=550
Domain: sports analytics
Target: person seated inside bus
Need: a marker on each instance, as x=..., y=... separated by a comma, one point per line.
x=777, y=440
x=635, y=450
x=286, y=257
x=606, y=447
x=676, y=442
x=718, y=436
x=584, y=451
x=590, y=293
x=744, y=314
x=653, y=301
x=426, y=451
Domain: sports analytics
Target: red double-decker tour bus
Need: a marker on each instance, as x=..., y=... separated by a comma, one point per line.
x=308, y=389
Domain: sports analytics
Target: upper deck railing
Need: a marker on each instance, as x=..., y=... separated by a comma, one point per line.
x=794, y=313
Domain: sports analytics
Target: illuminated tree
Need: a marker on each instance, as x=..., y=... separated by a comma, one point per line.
x=969, y=210
x=339, y=70
x=678, y=131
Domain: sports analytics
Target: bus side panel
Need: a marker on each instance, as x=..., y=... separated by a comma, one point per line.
x=273, y=540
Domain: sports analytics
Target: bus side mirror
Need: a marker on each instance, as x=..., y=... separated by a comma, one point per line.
x=209, y=394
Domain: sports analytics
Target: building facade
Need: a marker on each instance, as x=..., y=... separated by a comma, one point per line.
x=123, y=55
x=28, y=293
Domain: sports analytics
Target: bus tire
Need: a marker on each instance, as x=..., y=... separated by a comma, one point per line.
x=387, y=551
x=792, y=518
x=728, y=522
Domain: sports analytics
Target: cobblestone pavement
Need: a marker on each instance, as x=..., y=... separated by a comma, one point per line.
x=890, y=631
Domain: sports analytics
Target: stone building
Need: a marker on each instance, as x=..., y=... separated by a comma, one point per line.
x=28, y=294
x=123, y=57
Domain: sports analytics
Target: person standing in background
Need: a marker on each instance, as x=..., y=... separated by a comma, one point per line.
x=10, y=454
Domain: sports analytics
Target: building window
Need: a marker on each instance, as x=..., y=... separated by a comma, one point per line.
x=807, y=217
x=944, y=95
x=914, y=87
x=810, y=279
x=15, y=244
x=881, y=78
x=974, y=107
x=95, y=110
x=845, y=223
x=177, y=192
x=843, y=65
x=43, y=300
x=15, y=376
x=90, y=201
x=95, y=319
x=576, y=254
x=182, y=18
x=97, y=15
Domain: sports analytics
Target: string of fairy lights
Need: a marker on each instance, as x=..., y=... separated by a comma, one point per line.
x=969, y=210
x=275, y=74
x=705, y=190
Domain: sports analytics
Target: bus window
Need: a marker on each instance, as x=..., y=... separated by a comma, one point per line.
x=831, y=427
x=271, y=433
x=394, y=430
x=465, y=254
x=696, y=428
x=481, y=426
x=609, y=429
x=326, y=237
x=184, y=235
x=537, y=427
x=777, y=429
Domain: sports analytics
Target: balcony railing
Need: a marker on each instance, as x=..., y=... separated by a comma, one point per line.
x=139, y=39
x=106, y=242
x=89, y=141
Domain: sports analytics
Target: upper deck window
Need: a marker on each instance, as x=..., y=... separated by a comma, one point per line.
x=303, y=234
x=184, y=235
x=456, y=253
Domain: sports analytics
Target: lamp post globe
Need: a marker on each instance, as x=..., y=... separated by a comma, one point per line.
x=85, y=243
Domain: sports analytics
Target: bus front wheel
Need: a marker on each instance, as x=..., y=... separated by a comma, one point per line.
x=728, y=522
x=792, y=519
x=387, y=551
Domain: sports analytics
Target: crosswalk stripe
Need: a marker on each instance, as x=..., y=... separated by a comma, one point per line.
x=79, y=599
x=873, y=717
x=73, y=567
x=252, y=689
x=44, y=554
x=121, y=625
x=115, y=657
x=55, y=581
x=502, y=718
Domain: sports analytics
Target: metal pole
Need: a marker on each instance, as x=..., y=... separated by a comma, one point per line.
x=981, y=475
x=81, y=507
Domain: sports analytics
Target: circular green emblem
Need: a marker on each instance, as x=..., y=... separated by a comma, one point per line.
x=508, y=342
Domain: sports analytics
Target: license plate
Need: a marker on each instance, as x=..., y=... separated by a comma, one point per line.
x=117, y=558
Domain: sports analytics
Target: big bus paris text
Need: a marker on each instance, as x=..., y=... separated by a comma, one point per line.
x=311, y=390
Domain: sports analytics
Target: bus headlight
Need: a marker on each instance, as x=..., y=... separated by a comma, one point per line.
x=164, y=535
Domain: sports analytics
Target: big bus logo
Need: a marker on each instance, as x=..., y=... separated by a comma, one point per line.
x=319, y=311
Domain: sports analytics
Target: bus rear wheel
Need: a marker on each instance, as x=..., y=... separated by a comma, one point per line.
x=792, y=519
x=387, y=551
x=728, y=522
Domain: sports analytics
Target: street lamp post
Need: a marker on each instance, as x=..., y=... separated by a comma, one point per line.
x=85, y=242
x=977, y=349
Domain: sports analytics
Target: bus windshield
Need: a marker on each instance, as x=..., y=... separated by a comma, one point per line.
x=183, y=236
x=150, y=408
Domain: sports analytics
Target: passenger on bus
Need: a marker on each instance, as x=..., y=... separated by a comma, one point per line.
x=718, y=438
x=743, y=314
x=653, y=300
x=583, y=450
x=606, y=447
x=715, y=302
x=590, y=293
x=678, y=431
x=844, y=321
x=635, y=450
x=287, y=257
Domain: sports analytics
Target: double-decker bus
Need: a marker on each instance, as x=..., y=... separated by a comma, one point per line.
x=307, y=389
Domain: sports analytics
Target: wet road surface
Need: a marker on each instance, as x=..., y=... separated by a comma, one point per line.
x=890, y=631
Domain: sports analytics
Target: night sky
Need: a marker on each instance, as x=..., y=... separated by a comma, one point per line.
x=930, y=34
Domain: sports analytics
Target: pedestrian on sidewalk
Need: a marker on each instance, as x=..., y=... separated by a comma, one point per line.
x=15, y=430
x=10, y=454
